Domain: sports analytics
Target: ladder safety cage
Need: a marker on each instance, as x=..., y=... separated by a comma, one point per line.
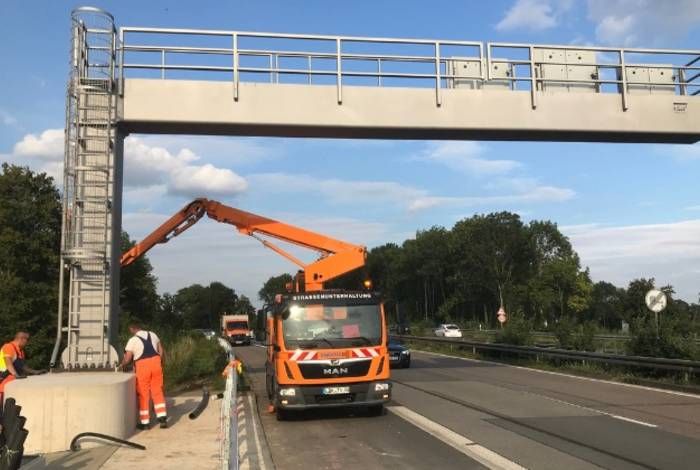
x=340, y=61
x=86, y=236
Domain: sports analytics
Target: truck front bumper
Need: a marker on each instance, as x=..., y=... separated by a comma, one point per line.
x=312, y=396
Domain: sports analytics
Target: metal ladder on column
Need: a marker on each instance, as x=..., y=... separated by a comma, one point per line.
x=88, y=191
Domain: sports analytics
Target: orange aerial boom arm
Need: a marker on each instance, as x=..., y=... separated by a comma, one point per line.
x=337, y=257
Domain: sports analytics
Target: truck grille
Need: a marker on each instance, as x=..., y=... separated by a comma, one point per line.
x=327, y=371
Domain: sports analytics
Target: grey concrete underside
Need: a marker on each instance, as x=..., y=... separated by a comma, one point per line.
x=208, y=107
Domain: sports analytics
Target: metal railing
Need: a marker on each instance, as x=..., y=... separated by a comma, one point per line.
x=376, y=61
x=605, y=343
x=228, y=449
x=654, y=363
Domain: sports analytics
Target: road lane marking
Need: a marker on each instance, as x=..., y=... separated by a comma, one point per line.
x=468, y=447
x=593, y=410
x=256, y=434
x=641, y=423
x=590, y=379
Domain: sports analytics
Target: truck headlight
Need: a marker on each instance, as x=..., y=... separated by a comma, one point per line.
x=381, y=387
x=287, y=392
x=405, y=352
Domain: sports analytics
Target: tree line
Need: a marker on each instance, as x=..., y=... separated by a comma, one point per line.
x=465, y=274
x=462, y=274
x=30, y=234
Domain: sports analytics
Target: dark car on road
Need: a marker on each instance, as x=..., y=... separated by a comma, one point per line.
x=399, y=355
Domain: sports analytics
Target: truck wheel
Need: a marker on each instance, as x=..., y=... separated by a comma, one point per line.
x=282, y=414
x=375, y=410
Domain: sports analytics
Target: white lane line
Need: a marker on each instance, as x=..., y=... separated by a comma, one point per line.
x=589, y=379
x=641, y=423
x=253, y=419
x=469, y=448
x=594, y=410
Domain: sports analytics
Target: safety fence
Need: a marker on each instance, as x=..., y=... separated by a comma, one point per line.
x=228, y=450
x=240, y=56
x=690, y=369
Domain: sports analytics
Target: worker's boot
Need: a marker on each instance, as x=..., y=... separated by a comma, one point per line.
x=163, y=422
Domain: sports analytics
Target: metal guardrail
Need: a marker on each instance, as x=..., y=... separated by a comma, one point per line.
x=656, y=363
x=377, y=61
x=228, y=449
x=608, y=343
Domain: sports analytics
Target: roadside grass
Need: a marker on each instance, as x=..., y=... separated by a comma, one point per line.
x=677, y=381
x=192, y=361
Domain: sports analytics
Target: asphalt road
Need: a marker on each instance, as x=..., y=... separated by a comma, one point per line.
x=453, y=413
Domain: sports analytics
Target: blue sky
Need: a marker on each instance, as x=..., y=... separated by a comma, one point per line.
x=623, y=222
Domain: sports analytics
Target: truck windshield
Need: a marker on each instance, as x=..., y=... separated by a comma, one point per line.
x=236, y=325
x=325, y=326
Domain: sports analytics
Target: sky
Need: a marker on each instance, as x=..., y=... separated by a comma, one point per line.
x=630, y=210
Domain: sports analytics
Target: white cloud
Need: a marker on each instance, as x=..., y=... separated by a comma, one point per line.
x=668, y=252
x=535, y=195
x=206, y=180
x=336, y=190
x=46, y=146
x=642, y=22
x=220, y=150
x=148, y=165
x=388, y=192
x=534, y=15
x=145, y=166
x=466, y=157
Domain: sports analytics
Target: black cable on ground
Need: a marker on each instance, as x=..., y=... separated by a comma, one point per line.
x=194, y=414
x=74, y=446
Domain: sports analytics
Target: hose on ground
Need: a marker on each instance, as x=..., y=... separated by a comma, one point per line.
x=194, y=414
x=74, y=446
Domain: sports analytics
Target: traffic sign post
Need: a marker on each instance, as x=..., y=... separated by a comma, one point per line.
x=656, y=301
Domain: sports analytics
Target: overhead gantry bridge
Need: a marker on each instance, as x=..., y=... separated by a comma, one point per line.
x=182, y=81
x=248, y=83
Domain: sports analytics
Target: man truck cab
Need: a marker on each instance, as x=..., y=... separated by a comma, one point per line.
x=327, y=349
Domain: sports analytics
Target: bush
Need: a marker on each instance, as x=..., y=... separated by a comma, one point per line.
x=517, y=331
x=673, y=341
x=190, y=359
x=571, y=336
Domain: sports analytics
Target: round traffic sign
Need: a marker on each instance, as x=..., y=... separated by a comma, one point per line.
x=656, y=300
x=501, y=315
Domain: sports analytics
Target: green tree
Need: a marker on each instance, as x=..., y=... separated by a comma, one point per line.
x=202, y=306
x=138, y=295
x=30, y=232
x=273, y=286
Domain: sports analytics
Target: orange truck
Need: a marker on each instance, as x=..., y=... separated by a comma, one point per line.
x=325, y=348
x=235, y=328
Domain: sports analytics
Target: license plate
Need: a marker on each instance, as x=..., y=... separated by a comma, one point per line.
x=335, y=390
x=394, y=358
x=326, y=355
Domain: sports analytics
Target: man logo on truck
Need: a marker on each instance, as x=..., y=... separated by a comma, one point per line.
x=336, y=371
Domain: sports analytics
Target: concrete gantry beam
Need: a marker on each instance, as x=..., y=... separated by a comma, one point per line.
x=208, y=107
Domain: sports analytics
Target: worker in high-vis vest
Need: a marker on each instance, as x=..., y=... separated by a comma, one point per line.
x=12, y=361
x=146, y=350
